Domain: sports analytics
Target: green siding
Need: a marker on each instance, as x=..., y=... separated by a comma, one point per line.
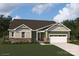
x=33, y=36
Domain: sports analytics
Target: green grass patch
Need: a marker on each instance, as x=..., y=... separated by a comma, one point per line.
x=31, y=50
x=75, y=42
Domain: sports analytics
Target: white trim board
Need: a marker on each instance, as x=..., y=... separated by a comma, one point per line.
x=59, y=24
x=22, y=25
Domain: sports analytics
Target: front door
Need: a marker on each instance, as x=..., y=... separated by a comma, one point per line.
x=41, y=36
x=33, y=36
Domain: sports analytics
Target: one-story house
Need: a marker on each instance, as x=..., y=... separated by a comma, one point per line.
x=24, y=30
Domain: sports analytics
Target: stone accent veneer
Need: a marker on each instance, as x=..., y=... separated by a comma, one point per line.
x=19, y=40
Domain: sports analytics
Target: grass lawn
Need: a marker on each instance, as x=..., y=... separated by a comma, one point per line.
x=75, y=42
x=31, y=50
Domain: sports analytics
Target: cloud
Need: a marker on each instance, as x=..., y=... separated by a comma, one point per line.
x=40, y=8
x=70, y=11
x=17, y=17
x=7, y=8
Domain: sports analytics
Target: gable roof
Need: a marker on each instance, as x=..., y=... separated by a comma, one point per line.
x=33, y=24
x=61, y=27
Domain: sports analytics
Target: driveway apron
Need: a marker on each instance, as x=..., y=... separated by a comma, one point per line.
x=71, y=48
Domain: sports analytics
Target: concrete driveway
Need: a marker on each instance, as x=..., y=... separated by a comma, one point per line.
x=71, y=48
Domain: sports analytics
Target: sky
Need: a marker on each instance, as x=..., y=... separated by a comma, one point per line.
x=41, y=11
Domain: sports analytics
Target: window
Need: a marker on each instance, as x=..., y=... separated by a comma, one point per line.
x=23, y=34
x=12, y=34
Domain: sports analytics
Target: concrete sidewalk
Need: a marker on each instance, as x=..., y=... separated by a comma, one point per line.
x=71, y=48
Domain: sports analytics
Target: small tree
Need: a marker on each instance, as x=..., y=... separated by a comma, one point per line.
x=4, y=25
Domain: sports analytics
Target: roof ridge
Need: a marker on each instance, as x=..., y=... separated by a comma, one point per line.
x=33, y=20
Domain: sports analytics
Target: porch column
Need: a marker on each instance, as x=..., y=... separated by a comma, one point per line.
x=45, y=40
x=46, y=34
x=37, y=36
x=68, y=38
x=40, y=35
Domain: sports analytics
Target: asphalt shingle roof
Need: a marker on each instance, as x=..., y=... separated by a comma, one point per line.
x=33, y=24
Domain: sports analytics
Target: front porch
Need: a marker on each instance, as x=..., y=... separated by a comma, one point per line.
x=42, y=36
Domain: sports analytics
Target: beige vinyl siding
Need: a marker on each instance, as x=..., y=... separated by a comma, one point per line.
x=18, y=33
x=58, y=28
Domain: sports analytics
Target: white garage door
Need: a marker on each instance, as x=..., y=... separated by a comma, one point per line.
x=58, y=38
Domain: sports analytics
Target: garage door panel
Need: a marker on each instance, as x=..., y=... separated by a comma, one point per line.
x=58, y=38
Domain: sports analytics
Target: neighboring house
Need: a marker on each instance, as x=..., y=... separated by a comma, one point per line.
x=21, y=30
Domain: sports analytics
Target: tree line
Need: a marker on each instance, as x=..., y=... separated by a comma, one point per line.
x=74, y=26
x=4, y=25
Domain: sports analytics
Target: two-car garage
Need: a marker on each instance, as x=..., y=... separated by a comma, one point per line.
x=58, y=34
x=58, y=38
